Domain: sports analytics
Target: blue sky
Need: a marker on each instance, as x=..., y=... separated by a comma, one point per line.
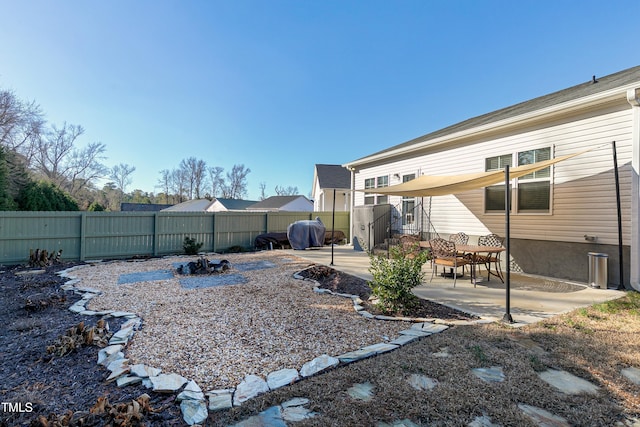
x=280, y=85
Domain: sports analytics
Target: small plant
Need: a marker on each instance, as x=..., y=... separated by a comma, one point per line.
x=537, y=364
x=395, y=277
x=190, y=246
x=479, y=354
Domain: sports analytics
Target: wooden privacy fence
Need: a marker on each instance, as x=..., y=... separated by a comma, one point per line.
x=98, y=235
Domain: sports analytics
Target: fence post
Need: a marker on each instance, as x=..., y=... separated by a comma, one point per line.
x=83, y=232
x=156, y=221
x=215, y=230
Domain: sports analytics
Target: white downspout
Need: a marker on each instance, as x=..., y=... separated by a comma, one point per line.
x=352, y=204
x=633, y=97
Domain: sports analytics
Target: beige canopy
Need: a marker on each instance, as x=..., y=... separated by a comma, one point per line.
x=429, y=185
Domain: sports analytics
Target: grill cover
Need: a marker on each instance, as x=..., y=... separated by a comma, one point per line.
x=306, y=234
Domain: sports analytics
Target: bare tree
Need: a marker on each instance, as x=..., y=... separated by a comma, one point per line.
x=288, y=191
x=121, y=175
x=20, y=124
x=194, y=172
x=235, y=186
x=85, y=167
x=263, y=190
x=53, y=149
x=216, y=180
x=68, y=167
x=180, y=184
x=165, y=183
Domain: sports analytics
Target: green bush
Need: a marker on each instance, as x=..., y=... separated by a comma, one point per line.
x=190, y=246
x=44, y=196
x=395, y=277
x=95, y=207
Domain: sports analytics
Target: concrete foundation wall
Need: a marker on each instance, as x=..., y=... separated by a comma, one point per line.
x=567, y=260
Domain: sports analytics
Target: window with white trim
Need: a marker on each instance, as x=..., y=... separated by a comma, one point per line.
x=382, y=181
x=378, y=182
x=369, y=199
x=532, y=192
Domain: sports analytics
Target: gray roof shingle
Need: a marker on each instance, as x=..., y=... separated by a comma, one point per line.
x=274, y=202
x=333, y=176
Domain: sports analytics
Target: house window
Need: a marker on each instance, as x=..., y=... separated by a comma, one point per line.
x=533, y=191
x=382, y=181
x=494, y=195
x=368, y=198
x=408, y=204
x=378, y=182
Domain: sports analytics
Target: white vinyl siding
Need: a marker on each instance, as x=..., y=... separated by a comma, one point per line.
x=583, y=189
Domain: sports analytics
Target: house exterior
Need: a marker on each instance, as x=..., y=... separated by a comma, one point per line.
x=283, y=204
x=195, y=205
x=215, y=205
x=220, y=204
x=558, y=215
x=143, y=207
x=326, y=179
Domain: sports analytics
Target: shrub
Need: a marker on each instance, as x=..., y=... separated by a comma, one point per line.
x=95, y=207
x=190, y=246
x=395, y=277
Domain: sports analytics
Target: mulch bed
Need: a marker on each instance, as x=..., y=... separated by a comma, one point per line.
x=45, y=389
x=339, y=282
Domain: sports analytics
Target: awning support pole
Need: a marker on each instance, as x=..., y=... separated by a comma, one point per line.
x=333, y=223
x=617, y=178
x=507, y=206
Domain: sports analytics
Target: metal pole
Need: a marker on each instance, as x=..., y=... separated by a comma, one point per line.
x=333, y=223
x=389, y=231
x=507, y=206
x=617, y=178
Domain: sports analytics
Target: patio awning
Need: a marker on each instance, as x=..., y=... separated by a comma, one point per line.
x=431, y=185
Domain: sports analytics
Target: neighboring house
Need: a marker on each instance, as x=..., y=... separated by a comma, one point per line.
x=142, y=207
x=326, y=179
x=559, y=214
x=215, y=205
x=195, y=205
x=225, y=205
x=283, y=204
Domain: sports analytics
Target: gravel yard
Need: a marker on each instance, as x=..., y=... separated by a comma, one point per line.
x=217, y=335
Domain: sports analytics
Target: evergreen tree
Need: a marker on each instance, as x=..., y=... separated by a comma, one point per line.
x=6, y=200
x=44, y=196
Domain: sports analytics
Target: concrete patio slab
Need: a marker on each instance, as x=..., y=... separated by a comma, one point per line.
x=528, y=303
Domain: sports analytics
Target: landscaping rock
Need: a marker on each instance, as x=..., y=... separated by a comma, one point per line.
x=281, y=378
x=167, y=383
x=493, y=374
x=251, y=386
x=194, y=411
x=318, y=364
x=568, y=383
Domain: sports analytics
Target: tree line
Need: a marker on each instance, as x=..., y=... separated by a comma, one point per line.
x=42, y=168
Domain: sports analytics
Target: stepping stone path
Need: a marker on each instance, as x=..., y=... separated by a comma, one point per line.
x=362, y=391
x=567, y=383
x=196, y=404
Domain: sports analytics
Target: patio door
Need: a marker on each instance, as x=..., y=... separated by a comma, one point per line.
x=409, y=214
